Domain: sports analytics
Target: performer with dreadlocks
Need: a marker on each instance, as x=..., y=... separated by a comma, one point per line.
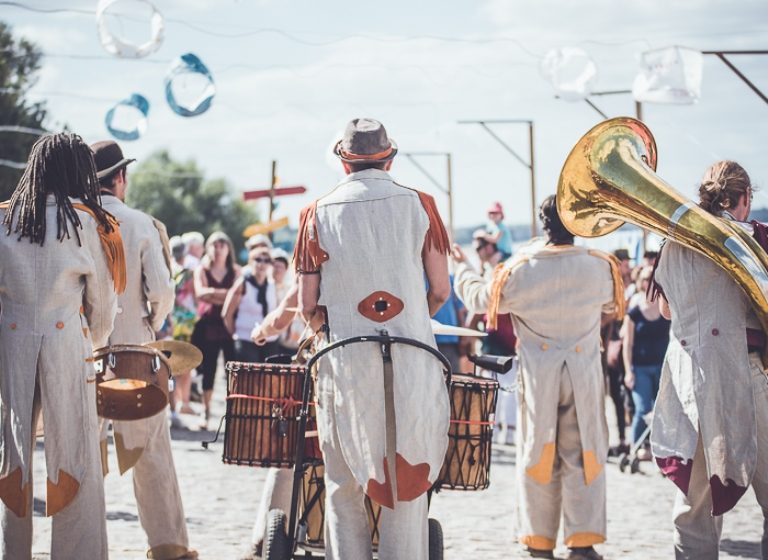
x=57, y=251
x=144, y=445
x=555, y=293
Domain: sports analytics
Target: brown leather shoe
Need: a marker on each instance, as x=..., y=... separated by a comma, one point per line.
x=583, y=553
x=538, y=553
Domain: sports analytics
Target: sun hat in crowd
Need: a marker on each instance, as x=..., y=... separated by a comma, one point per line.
x=256, y=240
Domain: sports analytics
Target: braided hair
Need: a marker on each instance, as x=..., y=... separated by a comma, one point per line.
x=62, y=165
x=550, y=221
x=722, y=186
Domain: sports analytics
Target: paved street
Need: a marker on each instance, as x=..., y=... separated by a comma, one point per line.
x=220, y=503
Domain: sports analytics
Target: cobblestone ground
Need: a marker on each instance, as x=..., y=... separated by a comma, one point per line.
x=220, y=503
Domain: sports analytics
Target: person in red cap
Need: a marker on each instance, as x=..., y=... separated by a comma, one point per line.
x=383, y=432
x=496, y=232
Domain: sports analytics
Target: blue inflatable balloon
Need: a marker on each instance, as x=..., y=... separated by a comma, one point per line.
x=140, y=104
x=184, y=65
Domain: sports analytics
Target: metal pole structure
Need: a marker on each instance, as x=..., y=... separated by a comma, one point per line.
x=449, y=174
x=533, y=179
x=529, y=164
x=729, y=64
x=447, y=191
x=272, y=185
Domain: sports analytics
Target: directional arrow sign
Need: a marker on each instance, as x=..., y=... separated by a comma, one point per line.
x=266, y=193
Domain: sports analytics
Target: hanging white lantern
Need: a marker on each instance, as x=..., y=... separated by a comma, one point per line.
x=118, y=46
x=571, y=71
x=189, y=87
x=127, y=120
x=669, y=75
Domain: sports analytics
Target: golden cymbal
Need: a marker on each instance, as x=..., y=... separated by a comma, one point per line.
x=182, y=356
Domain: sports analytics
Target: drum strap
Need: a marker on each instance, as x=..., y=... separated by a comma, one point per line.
x=389, y=412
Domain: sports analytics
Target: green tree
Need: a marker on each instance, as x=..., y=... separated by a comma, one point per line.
x=19, y=63
x=178, y=194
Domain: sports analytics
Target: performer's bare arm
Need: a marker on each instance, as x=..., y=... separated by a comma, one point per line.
x=309, y=295
x=436, y=268
x=627, y=344
x=278, y=319
x=231, y=304
x=157, y=284
x=203, y=292
x=472, y=289
x=664, y=308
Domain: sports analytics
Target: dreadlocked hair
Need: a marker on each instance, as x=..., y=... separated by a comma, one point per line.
x=550, y=221
x=62, y=165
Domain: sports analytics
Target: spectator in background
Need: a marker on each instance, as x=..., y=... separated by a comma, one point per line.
x=649, y=258
x=258, y=240
x=288, y=341
x=625, y=269
x=248, y=302
x=194, y=244
x=497, y=232
x=500, y=341
x=613, y=363
x=452, y=313
x=183, y=318
x=645, y=335
x=213, y=279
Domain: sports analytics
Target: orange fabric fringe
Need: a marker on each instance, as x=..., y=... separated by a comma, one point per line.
x=308, y=255
x=112, y=243
x=618, y=283
x=437, y=237
x=500, y=276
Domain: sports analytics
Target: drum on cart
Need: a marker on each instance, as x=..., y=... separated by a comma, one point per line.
x=312, y=510
x=262, y=422
x=467, y=462
x=131, y=382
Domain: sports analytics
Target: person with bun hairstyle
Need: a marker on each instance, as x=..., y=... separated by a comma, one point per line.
x=710, y=428
x=558, y=296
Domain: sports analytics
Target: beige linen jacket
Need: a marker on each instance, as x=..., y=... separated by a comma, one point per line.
x=555, y=296
x=141, y=309
x=57, y=301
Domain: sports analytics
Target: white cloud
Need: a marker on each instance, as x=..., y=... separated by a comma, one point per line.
x=54, y=38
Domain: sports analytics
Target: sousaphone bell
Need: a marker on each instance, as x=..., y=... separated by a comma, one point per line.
x=609, y=178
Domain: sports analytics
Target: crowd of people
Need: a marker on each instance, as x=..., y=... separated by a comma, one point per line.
x=218, y=305
x=87, y=271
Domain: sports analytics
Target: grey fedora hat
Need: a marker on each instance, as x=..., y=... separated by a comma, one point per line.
x=365, y=141
x=108, y=158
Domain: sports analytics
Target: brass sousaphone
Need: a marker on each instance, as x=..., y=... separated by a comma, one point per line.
x=609, y=178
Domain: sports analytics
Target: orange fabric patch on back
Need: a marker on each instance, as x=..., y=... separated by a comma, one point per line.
x=380, y=306
x=13, y=495
x=412, y=480
x=381, y=492
x=60, y=495
x=592, y=468
x=541, y=472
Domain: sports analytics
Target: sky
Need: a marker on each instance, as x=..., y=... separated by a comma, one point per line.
x=290, y=74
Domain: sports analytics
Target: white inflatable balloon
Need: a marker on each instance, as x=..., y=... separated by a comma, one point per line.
x=571, y=71
x=119, y=47
x=669, y=75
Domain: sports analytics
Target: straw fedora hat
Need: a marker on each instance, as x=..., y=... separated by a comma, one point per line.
x=365, y=141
